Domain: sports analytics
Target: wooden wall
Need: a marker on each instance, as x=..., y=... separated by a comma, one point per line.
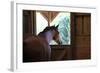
x=49, y=15
x=29, y=21
x=81, y=23
x=80, y=47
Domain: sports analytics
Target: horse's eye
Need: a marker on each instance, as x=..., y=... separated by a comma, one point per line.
x=54, y=38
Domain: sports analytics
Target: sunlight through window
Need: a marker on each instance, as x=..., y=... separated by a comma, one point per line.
x=41, y=23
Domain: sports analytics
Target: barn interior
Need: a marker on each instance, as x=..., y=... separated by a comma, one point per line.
x=76, y=40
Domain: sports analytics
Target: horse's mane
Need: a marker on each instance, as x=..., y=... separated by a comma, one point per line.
x=48, y=28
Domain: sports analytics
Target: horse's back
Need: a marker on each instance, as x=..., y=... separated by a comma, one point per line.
x=34, y=50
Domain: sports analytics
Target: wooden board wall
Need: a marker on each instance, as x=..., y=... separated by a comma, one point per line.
x=80, y=35
x=81, y=23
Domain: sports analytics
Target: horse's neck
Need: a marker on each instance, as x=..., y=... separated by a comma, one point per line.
x=48, y=36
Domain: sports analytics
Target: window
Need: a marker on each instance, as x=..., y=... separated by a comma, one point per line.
x=63, y=20
x=41, y=23
x=51, y=18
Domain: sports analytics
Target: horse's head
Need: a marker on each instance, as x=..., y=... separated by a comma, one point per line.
x=56, y=36
x=55, y=33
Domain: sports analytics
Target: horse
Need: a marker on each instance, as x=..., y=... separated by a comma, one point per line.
x=37, y=48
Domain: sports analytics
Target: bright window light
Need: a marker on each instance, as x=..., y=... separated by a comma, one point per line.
x=41, y=23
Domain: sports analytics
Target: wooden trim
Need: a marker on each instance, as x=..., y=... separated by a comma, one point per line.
x=72, y=36
x=34, y=23
x=49, y=18
x=81, y=14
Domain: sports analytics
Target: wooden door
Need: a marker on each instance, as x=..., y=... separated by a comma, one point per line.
x=81, y=35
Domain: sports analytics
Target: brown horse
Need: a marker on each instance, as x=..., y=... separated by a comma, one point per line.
x=37, y=48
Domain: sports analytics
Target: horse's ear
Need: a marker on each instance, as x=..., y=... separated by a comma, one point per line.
x=57, y=26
